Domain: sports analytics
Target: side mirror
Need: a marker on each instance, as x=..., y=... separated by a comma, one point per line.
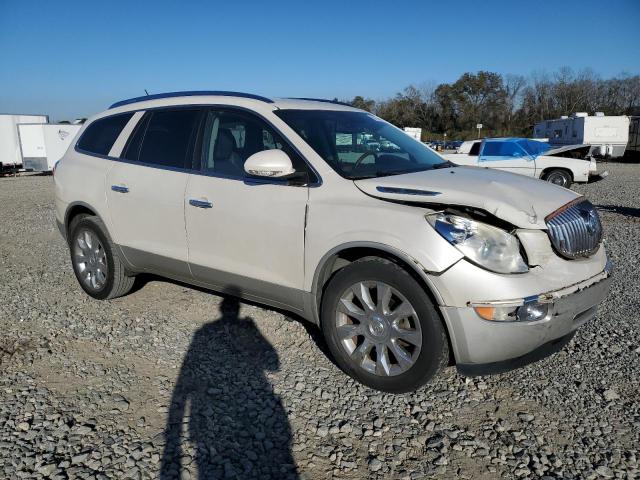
x=269, y=163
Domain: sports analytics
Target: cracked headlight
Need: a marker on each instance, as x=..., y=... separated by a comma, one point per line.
x=487, y=246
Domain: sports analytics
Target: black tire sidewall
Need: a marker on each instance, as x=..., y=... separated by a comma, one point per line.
x=87, y=223
x=566, y=176
x=434, y=344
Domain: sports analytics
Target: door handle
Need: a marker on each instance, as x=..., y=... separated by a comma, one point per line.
x=194, y=202
x=120, y=188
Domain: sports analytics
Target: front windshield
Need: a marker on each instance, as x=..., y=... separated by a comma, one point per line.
x=360, y=145
x=534, y=147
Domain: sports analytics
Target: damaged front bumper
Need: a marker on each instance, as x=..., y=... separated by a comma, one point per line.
x=484, y=347
x=597, y=176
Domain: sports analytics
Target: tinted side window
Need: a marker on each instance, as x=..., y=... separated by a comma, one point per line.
x=492, y=149
x=100, y=136
x=165, y=138
x=501, y=149
x=475, y=149
x=132, y=148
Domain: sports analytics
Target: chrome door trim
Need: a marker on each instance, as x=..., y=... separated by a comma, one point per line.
x=317, y=183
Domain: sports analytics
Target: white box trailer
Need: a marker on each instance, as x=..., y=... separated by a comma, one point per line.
x=608, y=136
x=42, y=145
x=10, y=156
x=633, y=147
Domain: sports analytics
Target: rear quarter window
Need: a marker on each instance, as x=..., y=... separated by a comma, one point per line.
x=101, y=134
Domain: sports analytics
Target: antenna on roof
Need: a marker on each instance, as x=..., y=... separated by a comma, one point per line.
x=145, y=91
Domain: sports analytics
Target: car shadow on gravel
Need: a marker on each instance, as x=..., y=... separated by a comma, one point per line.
x=626, y=211
x=225, y=408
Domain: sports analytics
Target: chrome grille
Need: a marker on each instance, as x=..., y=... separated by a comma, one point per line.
x=575, y=229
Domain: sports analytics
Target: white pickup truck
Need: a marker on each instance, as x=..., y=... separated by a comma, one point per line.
x=561, y=166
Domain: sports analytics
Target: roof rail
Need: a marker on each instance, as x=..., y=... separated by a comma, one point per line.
x=323, y=100
x=190, y=94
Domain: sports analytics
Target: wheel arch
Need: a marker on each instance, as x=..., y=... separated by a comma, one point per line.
x=345, y=254
x=76, y=208
x=547, y=170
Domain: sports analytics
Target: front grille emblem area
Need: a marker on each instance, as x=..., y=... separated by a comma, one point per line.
x=575, y=229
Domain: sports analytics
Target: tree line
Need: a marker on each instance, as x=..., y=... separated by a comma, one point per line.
x=506, y=105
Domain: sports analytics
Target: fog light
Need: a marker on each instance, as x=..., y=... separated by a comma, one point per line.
x=533, y=311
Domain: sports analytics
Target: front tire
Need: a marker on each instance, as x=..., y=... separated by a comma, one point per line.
x=382, y=327
x=96, y=264
x=559, y=177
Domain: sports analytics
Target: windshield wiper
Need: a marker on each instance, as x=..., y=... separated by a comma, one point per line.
x=364, y=177
x=445, y=164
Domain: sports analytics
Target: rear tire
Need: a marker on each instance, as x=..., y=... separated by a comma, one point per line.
x=559, y=177
x=391, y=338
x=96, y=263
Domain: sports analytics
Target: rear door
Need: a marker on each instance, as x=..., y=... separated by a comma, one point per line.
x=146, y=189
x=506, y=155
x=246, y=235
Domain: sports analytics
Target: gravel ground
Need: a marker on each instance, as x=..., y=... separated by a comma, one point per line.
x=174, y=381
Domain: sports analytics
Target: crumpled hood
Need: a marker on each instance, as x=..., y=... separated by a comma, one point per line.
x=519, y=200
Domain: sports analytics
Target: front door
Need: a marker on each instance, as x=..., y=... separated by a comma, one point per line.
x=506, y=155
x=146, y=189
x=245, y=236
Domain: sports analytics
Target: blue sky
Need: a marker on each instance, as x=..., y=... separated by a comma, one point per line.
x=74, y=58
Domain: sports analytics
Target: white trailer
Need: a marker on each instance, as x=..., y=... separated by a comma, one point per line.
x=42, y=145
x=10, y=156
x=608, y=136
x=414, y=132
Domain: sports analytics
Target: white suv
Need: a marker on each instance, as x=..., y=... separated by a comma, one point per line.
x=406, y=261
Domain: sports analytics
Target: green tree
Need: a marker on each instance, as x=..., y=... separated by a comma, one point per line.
x=479, y=98
x=363, y=103
x=505, y=105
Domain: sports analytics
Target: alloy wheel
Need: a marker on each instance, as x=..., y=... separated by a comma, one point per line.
x=378, y=328
x=90, y=259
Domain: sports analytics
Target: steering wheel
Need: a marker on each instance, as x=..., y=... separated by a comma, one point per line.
x=362, y=157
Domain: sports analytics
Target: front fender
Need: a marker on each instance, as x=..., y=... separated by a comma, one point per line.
x=579, y=168
x=398, y=229
x=386, y=249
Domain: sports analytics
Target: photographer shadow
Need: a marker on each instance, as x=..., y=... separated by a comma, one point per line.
x=225, y=407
